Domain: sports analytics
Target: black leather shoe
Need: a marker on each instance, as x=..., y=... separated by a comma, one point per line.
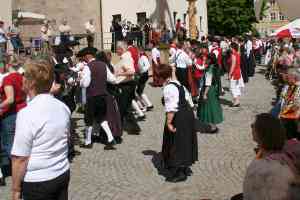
x=150, y=108
x=141, y=118
x=84, y=146
x=110, y=146
x=2, y=182
x=216, y=130
x=188, y=171
x=118, y=140
x=177, y=178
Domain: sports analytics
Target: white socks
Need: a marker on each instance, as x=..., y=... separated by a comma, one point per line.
x=1, y=175
x=83, y=95
x=88, y=135
x=107, y=130
x=146, y=100
x=137, y=108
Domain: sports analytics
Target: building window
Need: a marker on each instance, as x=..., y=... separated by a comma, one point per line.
x=273, y=2
x=141, y=17
x=281, y=17
x=273, y=16
x=117, y=17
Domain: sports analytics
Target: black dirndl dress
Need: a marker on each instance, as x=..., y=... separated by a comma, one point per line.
x=180, y=149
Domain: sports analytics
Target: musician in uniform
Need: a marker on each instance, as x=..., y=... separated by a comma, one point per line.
x=90, y=30
x=96, y=106
x=46, y=34
x=65, y=30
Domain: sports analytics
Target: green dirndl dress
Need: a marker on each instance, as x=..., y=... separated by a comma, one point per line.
x=210, y=110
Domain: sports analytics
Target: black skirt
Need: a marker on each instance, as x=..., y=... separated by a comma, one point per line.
x=180, y=149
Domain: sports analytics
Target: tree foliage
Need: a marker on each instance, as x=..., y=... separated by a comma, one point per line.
x=264, y=8
x=230, y=17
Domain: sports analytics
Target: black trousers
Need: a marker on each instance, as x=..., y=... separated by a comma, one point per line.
x=142, y=83
x=56, y=189
x=90, y=40
x=95, y=110
x=125, y=98
x=182, y=76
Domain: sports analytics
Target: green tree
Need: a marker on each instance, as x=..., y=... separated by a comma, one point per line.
x=230, y=17
x=264, y=8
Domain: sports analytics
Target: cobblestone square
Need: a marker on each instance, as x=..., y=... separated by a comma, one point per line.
x=130, y=173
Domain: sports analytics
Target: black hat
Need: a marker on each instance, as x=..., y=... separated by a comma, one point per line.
x=61, y=68
x=87, y=50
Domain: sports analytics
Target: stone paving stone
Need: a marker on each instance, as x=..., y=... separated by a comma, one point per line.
x=129, y=172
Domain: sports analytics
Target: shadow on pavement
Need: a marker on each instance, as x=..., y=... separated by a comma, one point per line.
x=157, y=162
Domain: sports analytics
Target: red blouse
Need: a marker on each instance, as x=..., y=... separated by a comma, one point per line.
x=16, y=81
x=236, y=74
x=199, y=73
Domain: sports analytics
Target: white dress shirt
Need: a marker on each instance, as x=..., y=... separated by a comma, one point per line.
x=64, y=28
x=248, y=48
x=182, y=59
x=144, y=64
x=172, y=53
x=171, y=97
x=125, y=64
x=86, y=76
x=155, y=53
x=3, y=38
x=42, y=135
x=90, y=28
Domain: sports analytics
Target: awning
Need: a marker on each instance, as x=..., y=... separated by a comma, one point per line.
x=30, y=18
x=31, y=15
x=290, y=30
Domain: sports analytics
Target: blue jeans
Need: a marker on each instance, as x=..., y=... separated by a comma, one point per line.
x=7, y=133
x=2, y=51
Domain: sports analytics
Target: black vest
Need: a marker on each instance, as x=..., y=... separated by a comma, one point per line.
x=97, y=86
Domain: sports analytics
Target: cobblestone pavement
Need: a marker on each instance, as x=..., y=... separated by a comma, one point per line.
x=130, y=173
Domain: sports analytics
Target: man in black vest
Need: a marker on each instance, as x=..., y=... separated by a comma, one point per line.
x=96, y=92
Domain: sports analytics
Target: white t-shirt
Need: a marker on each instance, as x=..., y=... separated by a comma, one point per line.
x=182, y=59
x=155, y=53
x=144, y=64
x=42, y=131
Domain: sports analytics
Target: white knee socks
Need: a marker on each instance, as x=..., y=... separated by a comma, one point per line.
x=137, y=108
x=146, y=100
x=107, y=130
x=88, y=135
x=1, y=175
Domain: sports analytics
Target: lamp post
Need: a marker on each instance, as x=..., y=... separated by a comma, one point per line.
x=192, y=14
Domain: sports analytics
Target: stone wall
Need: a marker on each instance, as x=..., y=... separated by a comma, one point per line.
x=77, y=12
x=5, y=12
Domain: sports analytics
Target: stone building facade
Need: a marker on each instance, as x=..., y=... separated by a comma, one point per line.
x=78, y=12
x=273, y=19
x=6, y=12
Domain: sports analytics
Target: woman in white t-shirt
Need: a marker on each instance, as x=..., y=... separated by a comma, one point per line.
x=40, y=149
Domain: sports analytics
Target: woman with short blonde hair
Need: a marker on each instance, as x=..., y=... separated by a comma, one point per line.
x=40, y=149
